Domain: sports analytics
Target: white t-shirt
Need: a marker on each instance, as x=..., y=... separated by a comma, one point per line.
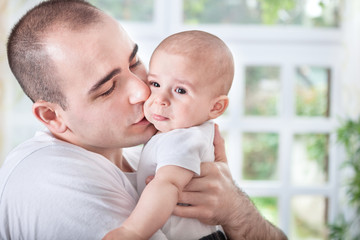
x=186, y=148
x=50, y=189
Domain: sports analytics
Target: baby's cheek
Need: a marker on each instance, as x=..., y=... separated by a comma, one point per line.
x=147, y=110
x=147, y=105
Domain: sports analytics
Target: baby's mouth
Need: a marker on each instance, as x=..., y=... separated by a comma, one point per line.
x=157, y=117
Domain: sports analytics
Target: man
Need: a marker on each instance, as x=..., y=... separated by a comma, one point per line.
x=82, y=72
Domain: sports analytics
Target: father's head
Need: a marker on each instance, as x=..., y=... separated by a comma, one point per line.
x=28, y=55
x=81, y=70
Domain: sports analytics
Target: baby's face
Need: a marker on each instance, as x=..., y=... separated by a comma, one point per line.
x=181, y=96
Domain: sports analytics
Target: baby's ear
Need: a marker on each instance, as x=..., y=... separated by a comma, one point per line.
x=48, y=114
x=219, y=106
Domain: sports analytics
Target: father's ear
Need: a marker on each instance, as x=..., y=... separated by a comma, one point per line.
x=49, y=115
x=219, y=106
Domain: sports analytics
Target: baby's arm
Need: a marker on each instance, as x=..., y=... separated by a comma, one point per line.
x=156, y=204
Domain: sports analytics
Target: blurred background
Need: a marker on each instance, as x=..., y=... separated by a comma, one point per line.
x=292, y=128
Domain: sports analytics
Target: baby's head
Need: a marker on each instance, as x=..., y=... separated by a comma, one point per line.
x=190, y=75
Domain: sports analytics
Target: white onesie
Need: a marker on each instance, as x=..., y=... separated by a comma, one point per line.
x=186, y=148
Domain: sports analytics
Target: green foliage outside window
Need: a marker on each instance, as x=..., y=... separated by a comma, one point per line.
x=312, y=91
x=317, y=149
x=261, y=101
x=267, y=12
x=349, y=136
x=270, y=9
x=311, y=102
x=260, y=156
x=308, y=217
x=268, y=208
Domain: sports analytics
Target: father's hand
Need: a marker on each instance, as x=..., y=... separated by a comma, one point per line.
x=214, y=198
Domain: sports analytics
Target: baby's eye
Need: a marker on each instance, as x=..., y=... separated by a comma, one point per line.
x=155, y=84
x=180, y=90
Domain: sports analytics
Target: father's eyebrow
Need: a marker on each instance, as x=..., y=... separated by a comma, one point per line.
x=105, y=79
x=134, y=52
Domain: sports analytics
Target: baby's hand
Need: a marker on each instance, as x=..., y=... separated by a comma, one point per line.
x=123, y=234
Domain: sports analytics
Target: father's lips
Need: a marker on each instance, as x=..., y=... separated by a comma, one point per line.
x=159, y=117
x=143, y=121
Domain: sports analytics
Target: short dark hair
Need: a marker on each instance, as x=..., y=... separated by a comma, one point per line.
x=28, y=59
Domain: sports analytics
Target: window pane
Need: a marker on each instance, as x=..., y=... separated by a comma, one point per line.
x=260, y=151
x=308, y=13
x=310, y=159
x=308, y=217
x=262, y=90
x=129, y=10
x=268, y=207
x=312, y=91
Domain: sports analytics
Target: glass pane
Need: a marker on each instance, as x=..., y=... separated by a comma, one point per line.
x=310, y=159
x=260, y=154
x=129, y=10
x=308, y=13
x=308, y=217
x=262, y=90
x=312, y=91
x=268, y=207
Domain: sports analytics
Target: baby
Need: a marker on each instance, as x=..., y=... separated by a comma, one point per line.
x=190, y=75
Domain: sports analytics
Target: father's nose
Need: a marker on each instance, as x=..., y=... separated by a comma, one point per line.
x=139, y=91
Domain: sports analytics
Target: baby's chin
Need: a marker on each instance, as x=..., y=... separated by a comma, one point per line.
x=161, y=128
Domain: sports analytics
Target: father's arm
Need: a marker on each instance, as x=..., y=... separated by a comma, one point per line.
x=215, y=199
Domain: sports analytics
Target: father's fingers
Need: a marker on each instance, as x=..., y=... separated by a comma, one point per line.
x=191, y=197
x=149, y=179
x=219, y=144
x=199, y=212
x=188, y=211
